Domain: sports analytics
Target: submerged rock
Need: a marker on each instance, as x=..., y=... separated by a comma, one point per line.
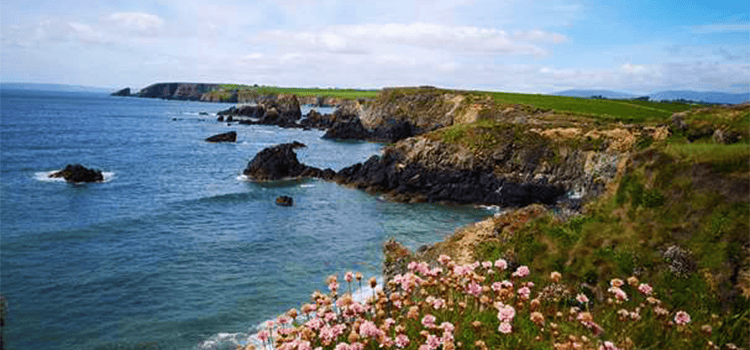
x=76, y=173
x=284, y=201
x=225, y=137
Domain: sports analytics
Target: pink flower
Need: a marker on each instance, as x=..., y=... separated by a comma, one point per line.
x=341, y=346
x=645, y=289
x=433, y=341
x=506, y=313
x=304, y=345
x=428, y=321
x=314, y=324
x=447, y=327
x=505, y=328
x=522, y=271
x=438, y=303
x=496, y=286
x=619, y=294
x=269, y=324
x=582, y=298
x=608, y=345
x=524, y=293
x=402, y=340
x=263, y=336
x=333, y=286
x=369, y=329
x=501, y=264
x=388, y=323
x=474, y=289
x=487, y=264
x=681, y=318
x=349, y=276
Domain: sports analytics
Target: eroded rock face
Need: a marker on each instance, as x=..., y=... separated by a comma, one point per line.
x=77, y=173
x=280, y=162
x=225, y=137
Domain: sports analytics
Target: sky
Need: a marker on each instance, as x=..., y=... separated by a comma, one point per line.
x=532, y=46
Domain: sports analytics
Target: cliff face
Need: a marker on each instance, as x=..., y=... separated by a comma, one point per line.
x=177, y=91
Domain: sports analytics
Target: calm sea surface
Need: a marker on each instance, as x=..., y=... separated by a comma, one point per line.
x=175, y=250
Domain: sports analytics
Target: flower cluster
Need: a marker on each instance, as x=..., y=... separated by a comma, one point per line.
x=481, y=305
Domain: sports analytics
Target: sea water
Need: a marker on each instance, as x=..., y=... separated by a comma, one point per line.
x=175, y=249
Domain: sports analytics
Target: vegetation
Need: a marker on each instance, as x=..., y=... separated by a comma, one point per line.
x=496, y=305
x=339, y=93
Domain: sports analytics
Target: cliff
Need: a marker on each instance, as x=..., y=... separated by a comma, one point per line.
x=177, y=91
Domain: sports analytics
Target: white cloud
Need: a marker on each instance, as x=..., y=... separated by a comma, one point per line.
x=721, y=28
x=134, y=22
x=369, y=38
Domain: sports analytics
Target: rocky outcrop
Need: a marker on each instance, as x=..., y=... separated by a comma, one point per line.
x=280, y=110
x=225, y=137
x=123, y=92
x=280, y=162
x=77, y=173
x=177, y=91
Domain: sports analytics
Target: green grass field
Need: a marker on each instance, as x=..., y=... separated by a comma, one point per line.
x=616, y=110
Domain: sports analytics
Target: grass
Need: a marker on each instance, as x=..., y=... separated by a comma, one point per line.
x=615, y=110
x=339, y=93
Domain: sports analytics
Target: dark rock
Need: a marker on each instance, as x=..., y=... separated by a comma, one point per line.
x=315, y=120
x=123, y=92
x=284, y=201
x=280, y=162
x=225, y=137
x=393, y=131
x=350, y=130
x=203, y=113
x=78, y=173
x=412, y=181
x=220, y=118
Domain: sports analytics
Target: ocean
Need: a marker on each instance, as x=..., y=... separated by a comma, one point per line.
x=175, y=250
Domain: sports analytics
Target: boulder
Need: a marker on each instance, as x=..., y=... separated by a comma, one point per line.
x=225, y=137
x=280, y=162
x=350, y=130
x=77, y=173
x=315, y=120
x=284, y=201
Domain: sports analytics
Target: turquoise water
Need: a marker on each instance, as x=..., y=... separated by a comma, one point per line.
x=175, y=250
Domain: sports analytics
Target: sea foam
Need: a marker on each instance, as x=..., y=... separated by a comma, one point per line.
x=44, y=176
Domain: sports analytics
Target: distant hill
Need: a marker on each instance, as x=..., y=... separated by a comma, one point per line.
x=703, y=96
x=53, y=87
x=697, y=96
x=590, y=93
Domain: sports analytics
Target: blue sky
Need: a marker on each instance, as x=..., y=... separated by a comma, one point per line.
x=523, y=46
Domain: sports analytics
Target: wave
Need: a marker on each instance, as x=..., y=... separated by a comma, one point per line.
x=44, y=176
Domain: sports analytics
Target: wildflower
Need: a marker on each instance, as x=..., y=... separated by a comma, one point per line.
x=438, y=303
x=333, y=286
x=263, y=336
x=341, y=346
x=645, y=289
x=635, y=316
x=369, y=329
x=433, y=341
x=474, y=289
x=444, y=259
x=505, y=328
x=349, y=276
x=506, y=313
x=402, y=340
x=555, y=276
x=501, y=264
x=582, y=298
x=413, y=313
x=353, y=337
x=681, y=318
x=447, y=327
x=616, y=282
x=660, y=311
x=428, y=321
x=521, y=271
x=388, y=323
x=524, y=293
x=623, y=314
x=314, y=324
x=373, y=282
x=633, y=281
x=537, y=318
x=619, y=294
x=706, y=329
x=358, y=276
x=283, y=320
x=292, y=313
x=653, y=301
x=608, y=345
x=304, y=345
